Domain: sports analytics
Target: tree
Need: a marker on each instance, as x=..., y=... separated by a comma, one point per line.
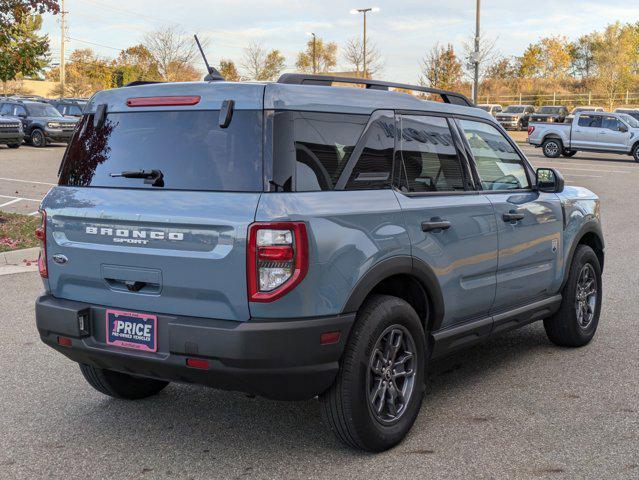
x=614, y=54
x=322, y=55
x=173, y=52
x=134, y=64
x=549, y=58
x=441, y=68
x=260, y=64
x=488, y=55
x=229, y=71
x=582, y=55
x=86, y=74
x=14, y=12
x=354, y=56
x=22, y=51
x=501, y=69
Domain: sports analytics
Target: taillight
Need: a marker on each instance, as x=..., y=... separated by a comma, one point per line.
x=41, y=234
x=277, y=259
x=531, y=129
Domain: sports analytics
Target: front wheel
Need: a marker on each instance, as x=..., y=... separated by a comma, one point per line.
x=378, y=391
x=635, y=153
x=121, y=385
x=552, y=147
x=576, y=322
x=37, y=138
x=569, y=153
x=13, y=145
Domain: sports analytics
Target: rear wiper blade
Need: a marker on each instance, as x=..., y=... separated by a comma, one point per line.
x=154, y=177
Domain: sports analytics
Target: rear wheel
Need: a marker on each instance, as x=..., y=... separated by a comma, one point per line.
x=569, y=153
x=378, y=391
x=635, y=153
x=576, y=322
x=121, y=385
x=552, y=147
x=37, y=138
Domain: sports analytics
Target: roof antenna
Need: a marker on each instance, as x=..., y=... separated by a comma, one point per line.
x=213, y=74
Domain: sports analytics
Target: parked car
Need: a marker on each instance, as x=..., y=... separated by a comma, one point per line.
x=294, y=240
x=68, y=107
x=41, y=122
x=11, y=133
x=633, y=112
x=515, y=117
x=550, y=114
x=589, y=131
x=492, y=108
x=577, y=110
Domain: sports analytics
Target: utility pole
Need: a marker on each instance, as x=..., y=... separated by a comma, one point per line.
x=314, y=53
x=62, y=32
x=364, y=11
x=476, y=76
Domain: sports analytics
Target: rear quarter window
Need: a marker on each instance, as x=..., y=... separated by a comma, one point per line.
x=188, y=147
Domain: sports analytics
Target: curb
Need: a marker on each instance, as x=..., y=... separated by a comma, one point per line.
x=19, y=261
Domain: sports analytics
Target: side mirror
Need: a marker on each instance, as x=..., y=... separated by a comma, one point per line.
x=549, y=180
x=623, y=129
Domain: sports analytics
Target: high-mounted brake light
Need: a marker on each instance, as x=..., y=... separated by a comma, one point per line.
x=163, y=101
x=41, y=234
x=531, y=129
x=277, y=259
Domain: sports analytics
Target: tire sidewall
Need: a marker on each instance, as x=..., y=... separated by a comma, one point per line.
x=34, y=134
x=635, y=153
x=378, y=435
x=556, y=142
x=582, y=256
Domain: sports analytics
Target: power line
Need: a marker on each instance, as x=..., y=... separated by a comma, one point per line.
x=95, y=44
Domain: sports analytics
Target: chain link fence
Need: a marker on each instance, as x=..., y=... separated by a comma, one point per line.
x=627, y=99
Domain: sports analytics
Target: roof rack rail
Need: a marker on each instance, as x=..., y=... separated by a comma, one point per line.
x=328, y=80
x=141, y=82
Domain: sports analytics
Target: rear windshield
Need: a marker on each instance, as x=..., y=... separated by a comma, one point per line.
x=188, y=147
x=514, y=110
x=550, y=110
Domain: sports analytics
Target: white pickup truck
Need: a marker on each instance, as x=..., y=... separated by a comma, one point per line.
x=590, y=132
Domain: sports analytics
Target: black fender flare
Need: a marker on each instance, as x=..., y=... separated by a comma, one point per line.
x=400, y=265
x=592, y=226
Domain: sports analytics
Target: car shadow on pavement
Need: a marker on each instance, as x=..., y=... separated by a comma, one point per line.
x=188, y=419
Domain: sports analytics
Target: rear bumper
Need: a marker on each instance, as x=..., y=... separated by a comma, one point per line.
x=275, y=359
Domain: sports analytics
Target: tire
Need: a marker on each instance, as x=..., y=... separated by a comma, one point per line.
x=121, y=385
x=568, y=153
x=346, y=406
x=37, y=138
x=635, y=153
x=13, y=145
x=565, y=328
x=552, y=147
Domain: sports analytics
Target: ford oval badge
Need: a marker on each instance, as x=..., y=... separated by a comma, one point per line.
x=60, y=259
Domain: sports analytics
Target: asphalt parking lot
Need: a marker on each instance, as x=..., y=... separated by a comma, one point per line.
x=516, y=407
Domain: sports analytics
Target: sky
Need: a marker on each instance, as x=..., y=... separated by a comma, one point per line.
x=403, y=30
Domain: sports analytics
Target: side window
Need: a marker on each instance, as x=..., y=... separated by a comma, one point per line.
x=429, y=160
x=498, y=164
x=589, y=121
x=611, y=123
x=311, y=149
x=19, y=110
x=374, y=166
x=73, y=110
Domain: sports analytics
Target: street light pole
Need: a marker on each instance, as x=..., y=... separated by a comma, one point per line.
x=364, y=11
x=476, y=76
x=314, y=53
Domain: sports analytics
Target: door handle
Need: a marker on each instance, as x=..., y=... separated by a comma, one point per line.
x=435, y=224
x=512, y=216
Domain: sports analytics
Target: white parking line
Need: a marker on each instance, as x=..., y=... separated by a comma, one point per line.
x=11, y=202
x=561, y=167
x=26, y=181
x=580, y=175
x=21, y=198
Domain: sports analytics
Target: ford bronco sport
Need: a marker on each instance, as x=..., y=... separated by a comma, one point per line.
x=298, y=239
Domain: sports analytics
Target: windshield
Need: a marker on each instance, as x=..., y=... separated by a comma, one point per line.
x=42, y=110
x=188, y=147
x=549, y=110
x=629, y=120
x=514, y=109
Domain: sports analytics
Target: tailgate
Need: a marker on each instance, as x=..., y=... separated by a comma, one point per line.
x=173, y=252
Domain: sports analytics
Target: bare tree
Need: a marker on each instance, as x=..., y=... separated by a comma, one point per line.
x=488, y=56
x=173, y=51
x=354, y=56
x=260, y=64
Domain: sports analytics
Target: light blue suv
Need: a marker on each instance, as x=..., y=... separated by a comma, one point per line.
x=296, y=239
